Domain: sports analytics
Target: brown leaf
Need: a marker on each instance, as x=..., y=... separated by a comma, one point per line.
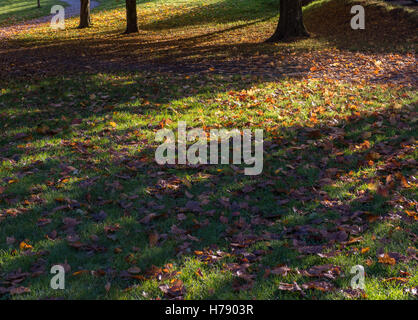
x=43, y=222
x=386, y=259
x=19, y=290
x=396, y=279
x=175, y=290
x=147, y=219
x=153, y=239
x=281, y=271
x=293, y=287
x=134, y=270
x=318, y=285
x=327, y=270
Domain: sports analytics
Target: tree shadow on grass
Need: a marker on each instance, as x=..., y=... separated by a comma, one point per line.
x=27, y=12
x=290, y=209
x=221, y=49
x=387, y=29
x=127, y=53
x=222, y=12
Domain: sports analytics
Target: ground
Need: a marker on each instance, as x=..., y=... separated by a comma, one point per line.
x=79, y=185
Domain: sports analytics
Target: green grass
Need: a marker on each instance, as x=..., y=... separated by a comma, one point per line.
x=75, y=144
x=36, y=181
x=12, y=11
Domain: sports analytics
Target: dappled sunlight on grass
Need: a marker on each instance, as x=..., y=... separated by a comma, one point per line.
x=317, y=166
x=220, y=42
x=80, y=187
x=12, y=12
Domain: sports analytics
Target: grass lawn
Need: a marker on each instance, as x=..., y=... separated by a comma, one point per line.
x=79, y=185
x=12, y=11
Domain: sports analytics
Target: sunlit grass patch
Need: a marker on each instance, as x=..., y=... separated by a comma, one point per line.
x=110, y=120
x=79, y=184
x=13, y=12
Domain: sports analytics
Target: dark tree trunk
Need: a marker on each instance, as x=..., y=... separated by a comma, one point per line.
x=39, y=3
x=85, y=21
x=131, y=17
x=290, y=22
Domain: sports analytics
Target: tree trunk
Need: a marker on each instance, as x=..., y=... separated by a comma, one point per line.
x=131, y=17
x=85, y=21
x=290, y=22
x=39, y=3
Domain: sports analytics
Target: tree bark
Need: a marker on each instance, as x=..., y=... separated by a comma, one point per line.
x=39, y=3
x=290, y=22
x=131, y=17
x=85, y=20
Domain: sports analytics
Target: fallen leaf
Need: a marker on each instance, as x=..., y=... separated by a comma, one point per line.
x=19, y=290
x=24, y=246
x=386, y=259
x=134, y=270
x=153, y=239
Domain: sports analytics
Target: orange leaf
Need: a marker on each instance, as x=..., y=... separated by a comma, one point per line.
x=410, y=213
x=365, y=250
x=386, y=259
x=24, y=246
x=404, y=183
x=77, y=273
x=397, y=279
